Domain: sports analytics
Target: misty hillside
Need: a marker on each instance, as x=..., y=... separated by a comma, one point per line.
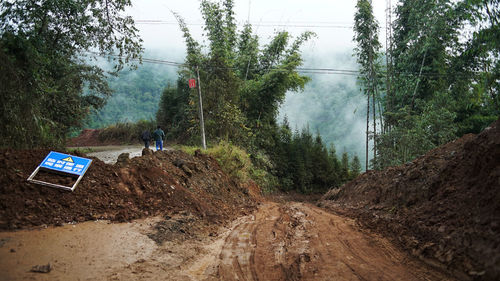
x=331, y=104
x=136, y=94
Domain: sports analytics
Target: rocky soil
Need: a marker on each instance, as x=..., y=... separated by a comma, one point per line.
x=160, y=183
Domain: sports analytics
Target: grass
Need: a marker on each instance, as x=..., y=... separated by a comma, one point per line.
x=237, y=163
x=126, y=132
x=83, y=150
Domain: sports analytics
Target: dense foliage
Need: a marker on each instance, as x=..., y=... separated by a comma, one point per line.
x=441, y=82
x=368, y=57
x=42, y=45
x=126, y=132
x=243, y=86
x=304, y=163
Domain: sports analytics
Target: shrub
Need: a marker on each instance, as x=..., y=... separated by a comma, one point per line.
x=237, y=163
x=126, y=132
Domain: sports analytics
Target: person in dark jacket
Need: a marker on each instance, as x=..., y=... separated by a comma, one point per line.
x=159, y=136
x=146, y=138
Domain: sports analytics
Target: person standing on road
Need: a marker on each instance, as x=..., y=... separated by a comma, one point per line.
x=146, y=138
x=159, y=136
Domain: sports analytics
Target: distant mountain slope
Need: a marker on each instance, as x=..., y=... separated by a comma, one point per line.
x=136, y=93
x=331, y=104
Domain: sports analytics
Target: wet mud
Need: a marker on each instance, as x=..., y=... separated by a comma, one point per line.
x=291, y=241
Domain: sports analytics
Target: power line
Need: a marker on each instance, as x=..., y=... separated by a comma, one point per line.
x=148, y=60
x=349, y=72
x=269, y=24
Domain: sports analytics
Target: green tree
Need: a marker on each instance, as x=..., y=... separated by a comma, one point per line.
x=345, y=173
x=175, y=119
x=242, y=84
x=368, y=57
x=42, y=45
x=477, y=90
x=335, y=164
x=306, y=161
x=445, y=81
x=355, y=167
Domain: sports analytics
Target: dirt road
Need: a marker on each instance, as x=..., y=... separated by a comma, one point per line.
x=296, y=241
x=290, y=241
x=109, y=154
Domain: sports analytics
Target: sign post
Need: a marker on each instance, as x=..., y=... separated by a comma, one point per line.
x=202, y=122
x=62, y=163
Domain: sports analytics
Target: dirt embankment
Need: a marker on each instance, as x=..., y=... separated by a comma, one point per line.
x=88, y=137
x=444, y=206
x=162, y=183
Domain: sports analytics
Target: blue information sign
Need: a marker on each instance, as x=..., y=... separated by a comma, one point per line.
x=66, y=163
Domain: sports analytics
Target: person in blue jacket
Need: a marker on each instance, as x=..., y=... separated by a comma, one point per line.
x=159, y=136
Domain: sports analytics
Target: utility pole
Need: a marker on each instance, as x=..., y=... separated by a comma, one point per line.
x=388, y=58
x=202, y=122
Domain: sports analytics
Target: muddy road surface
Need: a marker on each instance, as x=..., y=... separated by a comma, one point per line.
x=109, y=154
x=297, y=241
x=289, y=241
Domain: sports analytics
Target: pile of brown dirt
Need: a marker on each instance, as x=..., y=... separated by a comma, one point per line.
x=90, y=137
x=444, y=206
x=162, y=183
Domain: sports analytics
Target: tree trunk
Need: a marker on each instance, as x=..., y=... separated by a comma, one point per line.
x=418, y=80
x=367, y=128
x=381, y=117
x=374, y=125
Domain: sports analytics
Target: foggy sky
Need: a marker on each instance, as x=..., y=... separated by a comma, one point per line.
x=330, y=19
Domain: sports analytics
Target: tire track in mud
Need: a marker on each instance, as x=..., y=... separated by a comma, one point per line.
x=296, y=241
x=238, y=252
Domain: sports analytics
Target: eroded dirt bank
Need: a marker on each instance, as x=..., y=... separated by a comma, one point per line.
x=290, y=241
x=444, y=207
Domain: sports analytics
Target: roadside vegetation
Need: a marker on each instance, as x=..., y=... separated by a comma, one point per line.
x=435, y=85
x=44, y=51
x=126, y=132
x=441, y=77
x=237, y=163
x=312, y=171
x=81, y=150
